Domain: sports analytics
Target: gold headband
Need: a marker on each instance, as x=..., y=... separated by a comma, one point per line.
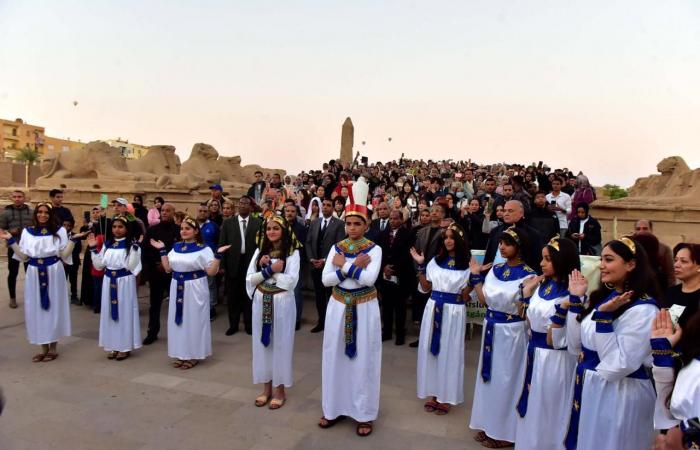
x=511, y=232
x=456, y=229
x=121, y=217
x=191, y=222
x=629, y=243
x=48, y=205
x=554, y=243
x=261, y=236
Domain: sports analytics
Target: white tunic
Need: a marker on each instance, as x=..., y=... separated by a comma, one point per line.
x=616, y=412
x=493, y=409
x=544, y=424
x=274, y=362
x=685, y=399
x=124, y=334
x=442, y=376
x=46, y=326
x=350, y=387
x=192, y=338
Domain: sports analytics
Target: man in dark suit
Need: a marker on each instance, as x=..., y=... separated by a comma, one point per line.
x=158, y=279
x=427, y=244
x=324, y=233
x=395, y=281
x=514, y=215
x=380, y=224
x=291, y=213
x=239, y=232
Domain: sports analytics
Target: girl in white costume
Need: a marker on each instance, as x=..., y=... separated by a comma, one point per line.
x=46, y=307
x=440, y=373
x=120, y=329
x=189, y=325
x=504, y=343
x=272, y=275
x=613, y=398
x=550, y=368
x=352, y=340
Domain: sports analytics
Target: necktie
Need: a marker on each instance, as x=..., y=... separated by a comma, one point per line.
x=323, y=226
x=383, y=224
x=245, y=227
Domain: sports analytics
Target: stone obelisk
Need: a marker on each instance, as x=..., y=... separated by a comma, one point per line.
x=346, y=141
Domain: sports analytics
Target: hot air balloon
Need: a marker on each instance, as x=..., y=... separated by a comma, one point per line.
x=390, y=139
x=75, y=103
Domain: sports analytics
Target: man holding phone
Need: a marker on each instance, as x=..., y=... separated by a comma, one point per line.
x=560, y=204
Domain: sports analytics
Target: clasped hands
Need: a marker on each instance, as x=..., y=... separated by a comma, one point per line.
x=362, y=260
x=277, y=266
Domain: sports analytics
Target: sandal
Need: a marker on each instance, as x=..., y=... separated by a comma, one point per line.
x=277, y=403
x=430, y=406
x=480, y=436
x=189, y=364
x=178, y=363
x=261, y=400
x=121, y=356
x=13, y=303
x=327, y=423
x=366, y=426
x=50, y=356
x=39, y=357
x=112, y=355
x=442, y=409
x=493, y=443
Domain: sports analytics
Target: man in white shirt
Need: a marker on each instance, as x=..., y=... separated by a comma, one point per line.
x=560, y=204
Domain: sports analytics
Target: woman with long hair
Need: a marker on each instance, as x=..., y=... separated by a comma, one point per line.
x=504, y=342
x=272, y=275
x=441, y=341
x=214, y=208
x=613, y=399
x=154, y=213
x=683, y=299
x=189, y=323
x=46, y=306
x=550, y=368
x=120, y=329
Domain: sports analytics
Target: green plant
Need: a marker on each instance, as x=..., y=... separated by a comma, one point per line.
x=28, y=156
x=613, y=191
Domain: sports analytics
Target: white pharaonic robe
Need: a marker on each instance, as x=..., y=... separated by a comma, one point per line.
x=685, y=394
x=493, y=409
x=191, y=339
x=124, y=334
x=545, y=423
x=442, y=376
x=45, y=326
x=350, y=387
x=274, y=362
x=616, y=411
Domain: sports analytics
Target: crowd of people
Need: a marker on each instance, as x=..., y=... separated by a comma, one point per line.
x=564, y=362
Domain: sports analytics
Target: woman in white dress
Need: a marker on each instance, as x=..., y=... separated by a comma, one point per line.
x=440, y=374
x=352, y=340
x=120, y=328
x=47, y=309
x=613, y=398
x=272, y=275
x=677, y=378
x=504, y=343
x=189, y=325
x=550, y=368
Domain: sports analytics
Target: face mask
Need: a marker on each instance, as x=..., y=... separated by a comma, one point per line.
x=460, y=194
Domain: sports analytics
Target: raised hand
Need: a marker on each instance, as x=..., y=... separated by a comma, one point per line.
x=362, y=260
x=4, y=234
x=617, y=302
x=662, y=327
x=476, y=268
x=91, y=241
x=530, y=283
x=157, y=244
x=578, y=285
x=417, y=256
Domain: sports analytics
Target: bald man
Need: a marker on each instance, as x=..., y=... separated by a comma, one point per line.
x=514, y=215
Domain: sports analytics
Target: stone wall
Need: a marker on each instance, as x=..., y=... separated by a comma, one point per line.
x=12, y=174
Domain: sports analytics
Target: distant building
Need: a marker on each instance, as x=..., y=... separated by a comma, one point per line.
x=16, y=135
x=128, y=150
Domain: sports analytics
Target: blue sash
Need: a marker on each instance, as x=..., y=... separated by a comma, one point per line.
x=587, y=360
x=113, y=276
x=441, y=298
x=492, y=317
x=537, y=340
x=42, y=265
x=180, y=278
x=268, y=291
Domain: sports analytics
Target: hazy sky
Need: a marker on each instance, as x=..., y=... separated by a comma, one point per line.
x=607, y=87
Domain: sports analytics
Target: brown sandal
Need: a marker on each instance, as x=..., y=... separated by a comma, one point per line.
x=493, y=443
x=39, y=357
x=442, y=409
x=480, y=436
x=367, y=426
x=178, y=363
x=261, y=400
x=186, y=365
x=50, y=356
x=277, y=403
x=430, y=406
x=327, y=423
x=121, y=356
x=112, y=355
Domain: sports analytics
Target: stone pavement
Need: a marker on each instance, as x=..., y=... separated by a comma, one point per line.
x=84, y=401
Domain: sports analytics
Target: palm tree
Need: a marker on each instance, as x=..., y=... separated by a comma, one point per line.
x=28, y=156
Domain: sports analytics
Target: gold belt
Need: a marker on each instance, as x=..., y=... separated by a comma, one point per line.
x=354, y=297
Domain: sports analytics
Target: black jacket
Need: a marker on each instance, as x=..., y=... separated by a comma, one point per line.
x=591, y=235
x=235, y=262
x=533, y=252
x=169, y=233
x=396, y=253
x=545, y=222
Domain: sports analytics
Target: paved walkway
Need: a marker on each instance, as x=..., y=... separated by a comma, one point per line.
x=83, y=401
